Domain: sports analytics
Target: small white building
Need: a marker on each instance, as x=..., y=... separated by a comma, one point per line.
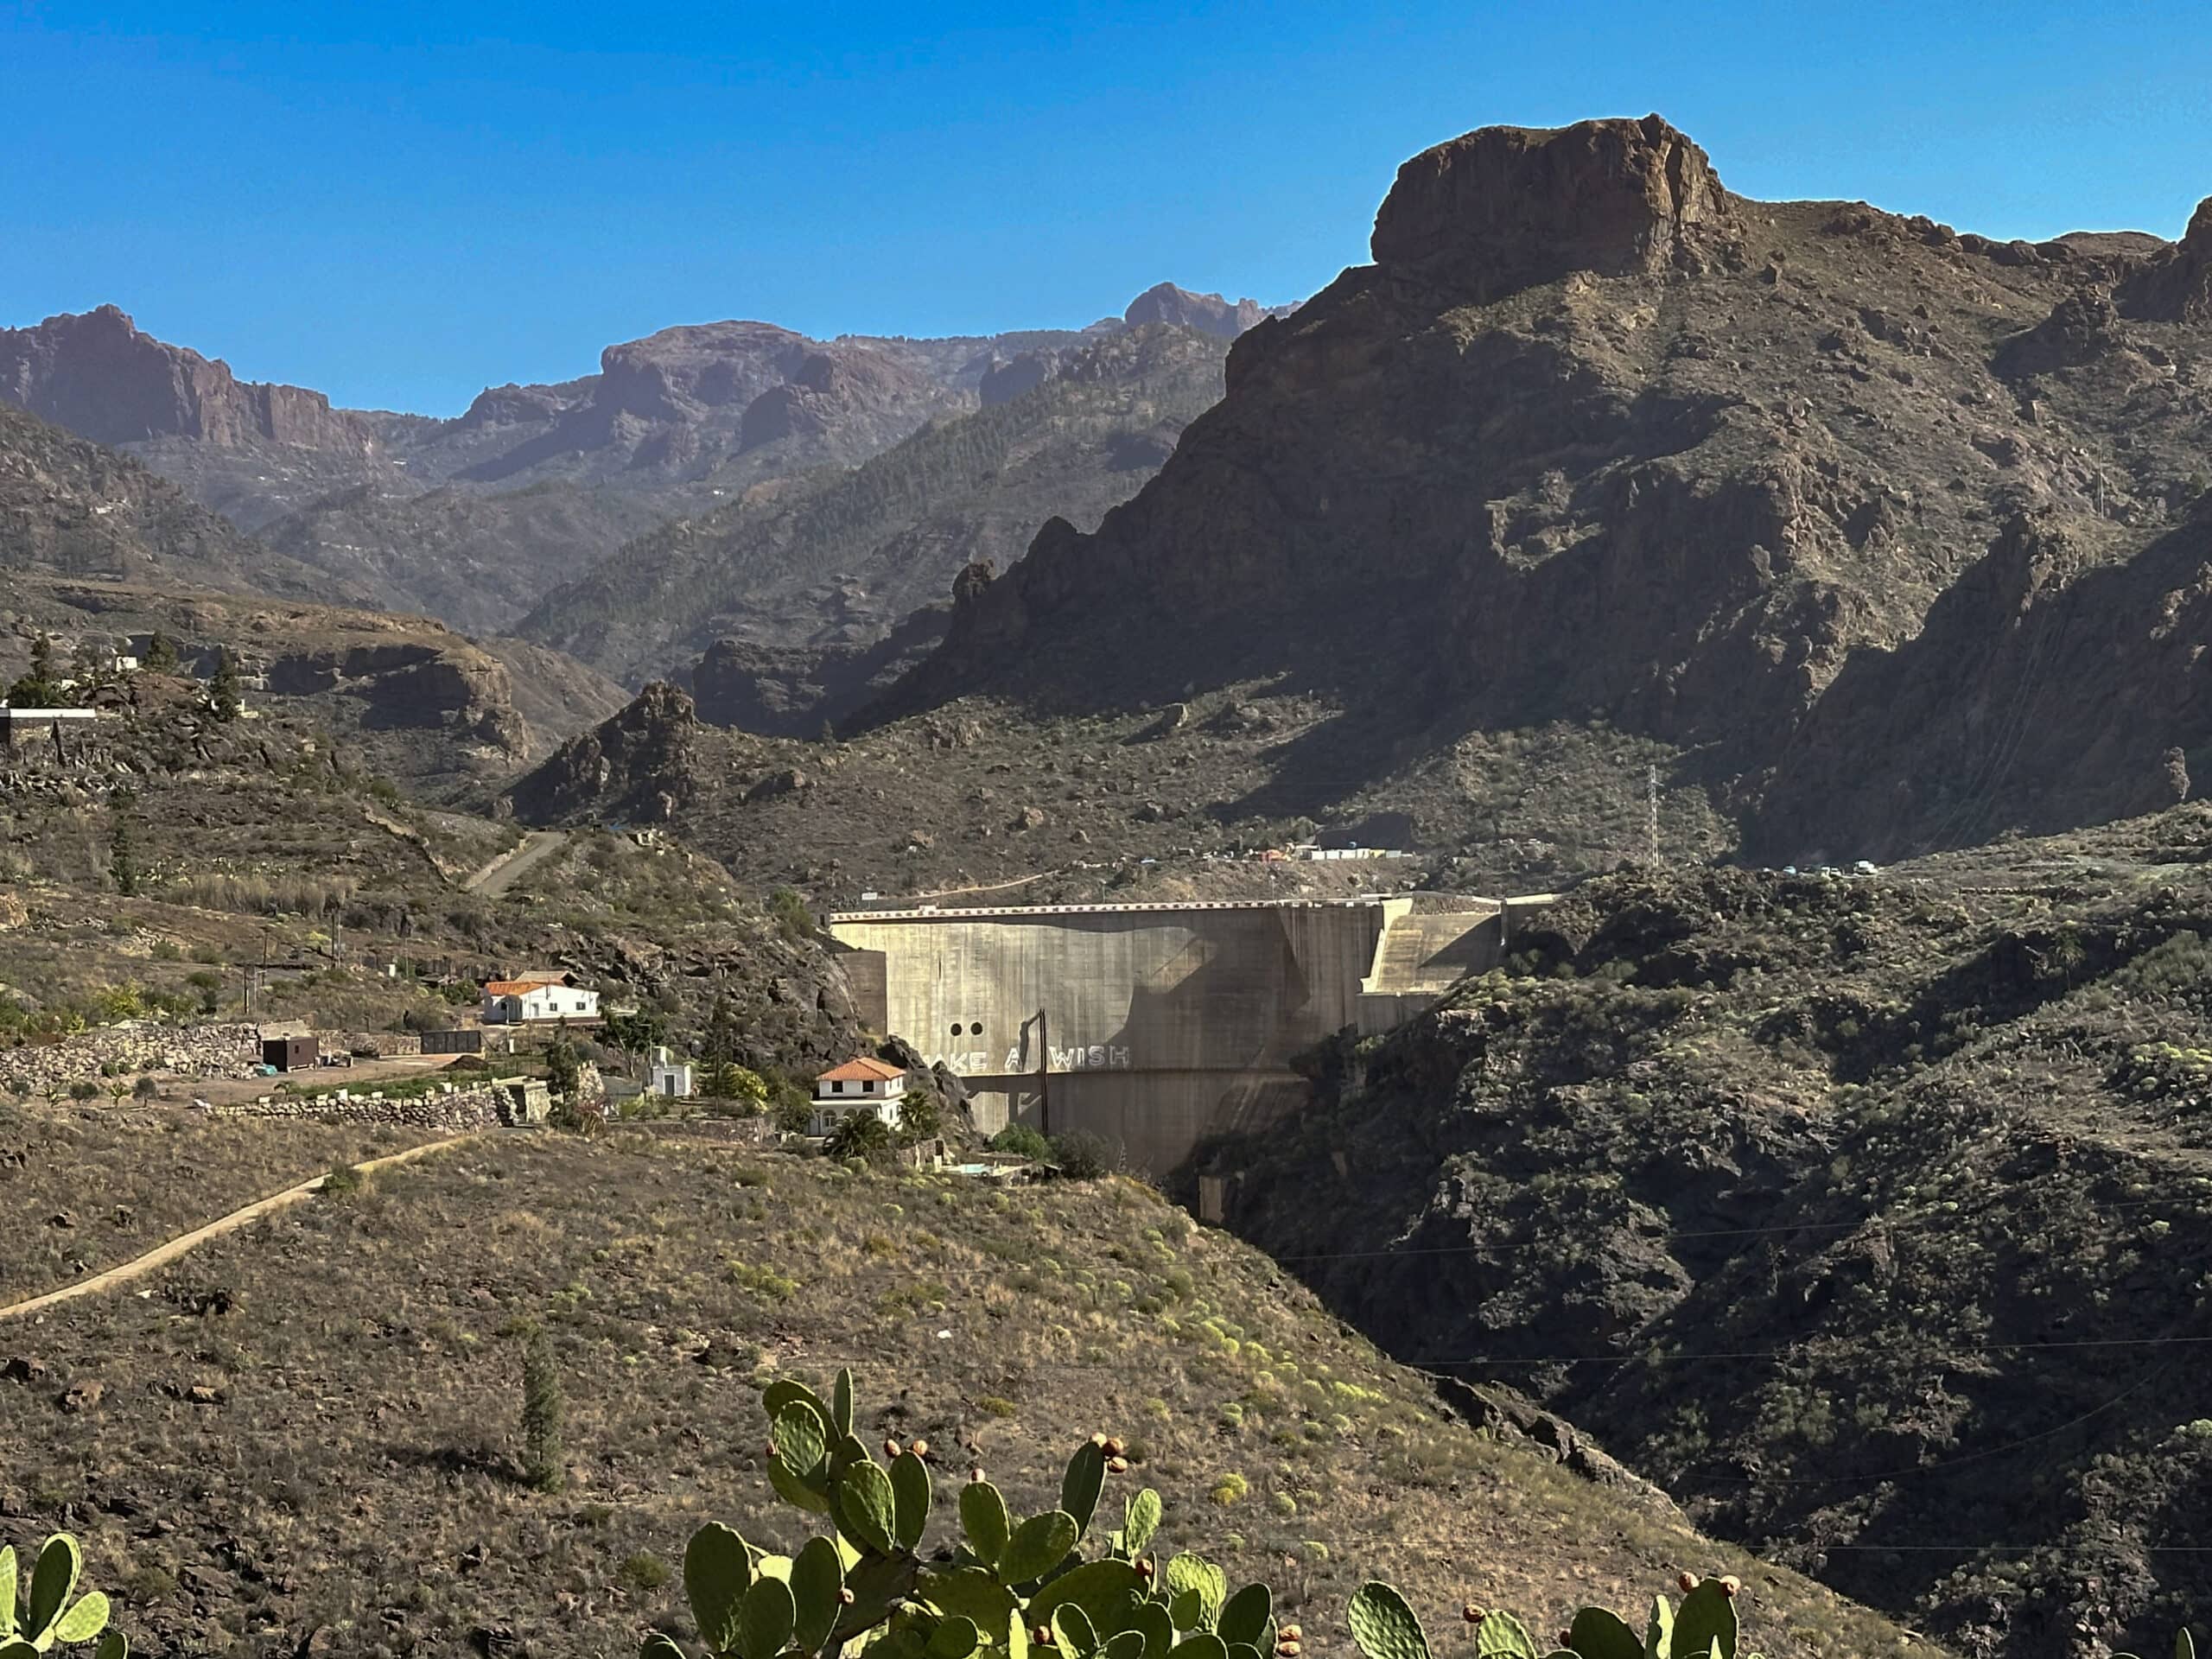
x=858, y=1086
x=533, y=997
x=668, y=1076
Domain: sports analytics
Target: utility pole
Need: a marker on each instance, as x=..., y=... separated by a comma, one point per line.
x=1651, y=800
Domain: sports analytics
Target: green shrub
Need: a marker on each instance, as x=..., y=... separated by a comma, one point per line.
x=1082, y=1155
x=788, y=909
x=1023, y=1141
x=645, y=1571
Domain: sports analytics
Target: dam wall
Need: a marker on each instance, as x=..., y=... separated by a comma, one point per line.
x=1154, y=1026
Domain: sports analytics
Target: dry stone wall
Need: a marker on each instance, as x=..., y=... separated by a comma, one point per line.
x=128, y=1051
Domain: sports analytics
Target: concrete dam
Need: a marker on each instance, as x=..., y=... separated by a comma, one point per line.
x=1154, y=1026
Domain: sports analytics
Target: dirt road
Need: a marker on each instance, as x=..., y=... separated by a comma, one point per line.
x=162, y=1255
x=504, y=871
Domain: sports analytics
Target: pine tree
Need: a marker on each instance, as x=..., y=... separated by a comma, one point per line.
x=37, y=689
x=122, y=848
x=223, y=699
x=543, y=1407
x=563, y=1074
x=718, y=1079
x=161, y=654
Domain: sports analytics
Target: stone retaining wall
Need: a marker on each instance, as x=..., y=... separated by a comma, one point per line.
x=129, y=1051
x=479, y=1108
x=453, y=1107
x=382, y=1044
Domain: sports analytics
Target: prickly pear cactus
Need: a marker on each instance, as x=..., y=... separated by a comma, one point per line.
x=1008, y=1587
x=47, y=1613
x=1015, y=1586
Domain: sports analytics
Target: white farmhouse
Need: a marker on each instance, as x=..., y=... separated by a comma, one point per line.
x=668, y=1076
x=541, y=996
x=858, y=1086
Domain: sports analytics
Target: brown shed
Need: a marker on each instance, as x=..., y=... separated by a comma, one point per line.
x=289, y=1053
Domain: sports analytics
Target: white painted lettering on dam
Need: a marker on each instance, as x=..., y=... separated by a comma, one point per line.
x=1095, y=1057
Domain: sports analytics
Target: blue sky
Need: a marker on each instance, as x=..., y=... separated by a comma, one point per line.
x=400, y=203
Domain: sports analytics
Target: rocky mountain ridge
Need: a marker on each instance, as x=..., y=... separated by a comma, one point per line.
x=1595, y=440
x=98, y=549
x=828, y=567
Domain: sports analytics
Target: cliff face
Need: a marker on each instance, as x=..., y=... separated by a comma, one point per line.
x=99, y=377
x=1594, y=441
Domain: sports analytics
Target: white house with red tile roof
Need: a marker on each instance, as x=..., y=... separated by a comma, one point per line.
x=861, y=1084
x=548, y=995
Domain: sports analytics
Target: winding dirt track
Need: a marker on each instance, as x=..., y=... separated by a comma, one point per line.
x=162, y=1255
x=502, y=872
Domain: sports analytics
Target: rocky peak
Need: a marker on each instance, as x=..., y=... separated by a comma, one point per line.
x=640, y=764
x=96, y=374
x=1208, y=313
x=2176, y=286
x=1507, y=207
x=678, y=373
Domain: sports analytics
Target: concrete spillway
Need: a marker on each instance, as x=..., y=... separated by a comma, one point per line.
x=1153, y=1026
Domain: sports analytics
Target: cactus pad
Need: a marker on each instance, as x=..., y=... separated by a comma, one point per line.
x=984, y=1519
x=766, y=1619
x=1038, y=1545
x=1706, y=1617
x=866, y=1508
x=1080, y=1486
x=1596, y=1634
x=1501, y=1635
x=1383, y=1625
x=910, y=1494
x=717, y=1572
x=1140, y=1519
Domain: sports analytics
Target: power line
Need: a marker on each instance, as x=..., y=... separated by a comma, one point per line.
x=1659, y=1355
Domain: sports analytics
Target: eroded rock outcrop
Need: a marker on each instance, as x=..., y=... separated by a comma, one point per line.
x=99, y=376
x=1210, y=314
x=640, y=764
x=1506, y=207
x=2176, y=286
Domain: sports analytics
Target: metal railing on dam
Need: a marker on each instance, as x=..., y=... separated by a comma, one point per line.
x=1154, y=1026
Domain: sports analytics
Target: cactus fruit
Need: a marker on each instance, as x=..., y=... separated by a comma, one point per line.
x=1114, y=1446
x=1117, y=1465
x=920, y=1448
x=891, y=1448
x=1730, y=1584
x=1686, y=1582
x=1472, y=1613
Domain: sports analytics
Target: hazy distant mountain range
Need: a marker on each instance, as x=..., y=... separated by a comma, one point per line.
x=475, y=519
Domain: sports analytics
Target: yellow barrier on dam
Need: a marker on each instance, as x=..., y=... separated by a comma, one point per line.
x=1152, y=1026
